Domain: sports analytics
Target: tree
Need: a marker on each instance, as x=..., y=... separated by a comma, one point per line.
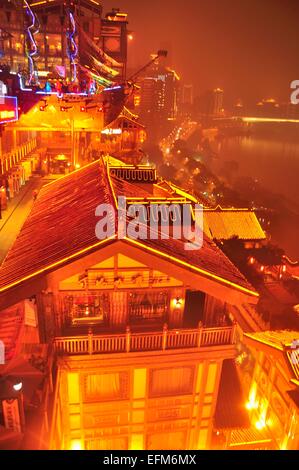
x=154, y=153
x=167, y=171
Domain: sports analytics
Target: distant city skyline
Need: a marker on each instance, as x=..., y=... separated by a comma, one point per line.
x=248, y=48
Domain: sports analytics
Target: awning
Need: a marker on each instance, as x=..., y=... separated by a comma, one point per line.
x=230, y=409
x=250, y=439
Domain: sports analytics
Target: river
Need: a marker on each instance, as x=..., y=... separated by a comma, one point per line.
x=274, y=161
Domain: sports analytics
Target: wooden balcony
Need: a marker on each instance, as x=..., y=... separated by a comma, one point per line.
x=145, y=341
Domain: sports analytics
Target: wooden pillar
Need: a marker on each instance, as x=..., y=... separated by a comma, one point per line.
x=118, y=308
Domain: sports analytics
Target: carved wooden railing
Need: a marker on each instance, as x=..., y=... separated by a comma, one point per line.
x=149, y=341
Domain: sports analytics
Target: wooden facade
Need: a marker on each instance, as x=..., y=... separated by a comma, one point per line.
x=273, y=395
x=141, y=400
x=139, y=328
x=121, y=292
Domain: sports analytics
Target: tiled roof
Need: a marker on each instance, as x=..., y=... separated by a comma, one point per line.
x=281, y=294
x=251, y=437
x=61, y=223
x=61, y=228
x=125, y=188
x=209, y=259
x=286, y=341
x=223, y=224
x=277, y=339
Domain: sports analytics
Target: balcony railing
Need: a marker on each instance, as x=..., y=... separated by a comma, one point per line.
x=153, y=341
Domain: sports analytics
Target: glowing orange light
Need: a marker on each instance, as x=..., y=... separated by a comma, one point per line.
x=252, y=403
x=7, y=114
x=260, y=425
x=76, y=444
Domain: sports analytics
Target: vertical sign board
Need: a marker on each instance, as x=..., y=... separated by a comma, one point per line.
x=8, y=109
x=11, y=414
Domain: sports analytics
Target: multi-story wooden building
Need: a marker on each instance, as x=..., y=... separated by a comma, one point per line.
x=140, y=328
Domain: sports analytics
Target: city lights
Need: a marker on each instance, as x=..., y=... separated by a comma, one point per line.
x=149, y=273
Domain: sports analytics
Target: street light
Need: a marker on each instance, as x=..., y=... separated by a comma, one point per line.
x=18, y=386
x=12, y=400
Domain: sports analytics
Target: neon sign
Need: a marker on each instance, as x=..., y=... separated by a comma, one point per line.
x=110, y=131
x=8, y=109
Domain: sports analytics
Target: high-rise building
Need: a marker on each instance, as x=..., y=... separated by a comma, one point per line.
x=52, y=22
x=217, y=102
x=186, y=100
x=210, y=103
x=159, y=94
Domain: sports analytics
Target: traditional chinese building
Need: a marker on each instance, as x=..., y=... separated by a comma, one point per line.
x=225, y=223
x=123, y=138
x=273, y=399
x=140, y=329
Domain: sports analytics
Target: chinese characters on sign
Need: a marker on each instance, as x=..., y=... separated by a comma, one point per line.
x=8, y=109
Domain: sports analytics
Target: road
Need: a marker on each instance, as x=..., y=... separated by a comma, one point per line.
x=14, y=217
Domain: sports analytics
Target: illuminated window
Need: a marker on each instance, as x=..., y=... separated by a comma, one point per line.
x=110, y=386
x=174, y=381
x=146, y=306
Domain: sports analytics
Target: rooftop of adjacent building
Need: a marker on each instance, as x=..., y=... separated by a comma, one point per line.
x=224, y=223
x=276, y=339
x=285, y=342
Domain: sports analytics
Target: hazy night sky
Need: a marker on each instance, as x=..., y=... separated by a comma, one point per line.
x=248, y=47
